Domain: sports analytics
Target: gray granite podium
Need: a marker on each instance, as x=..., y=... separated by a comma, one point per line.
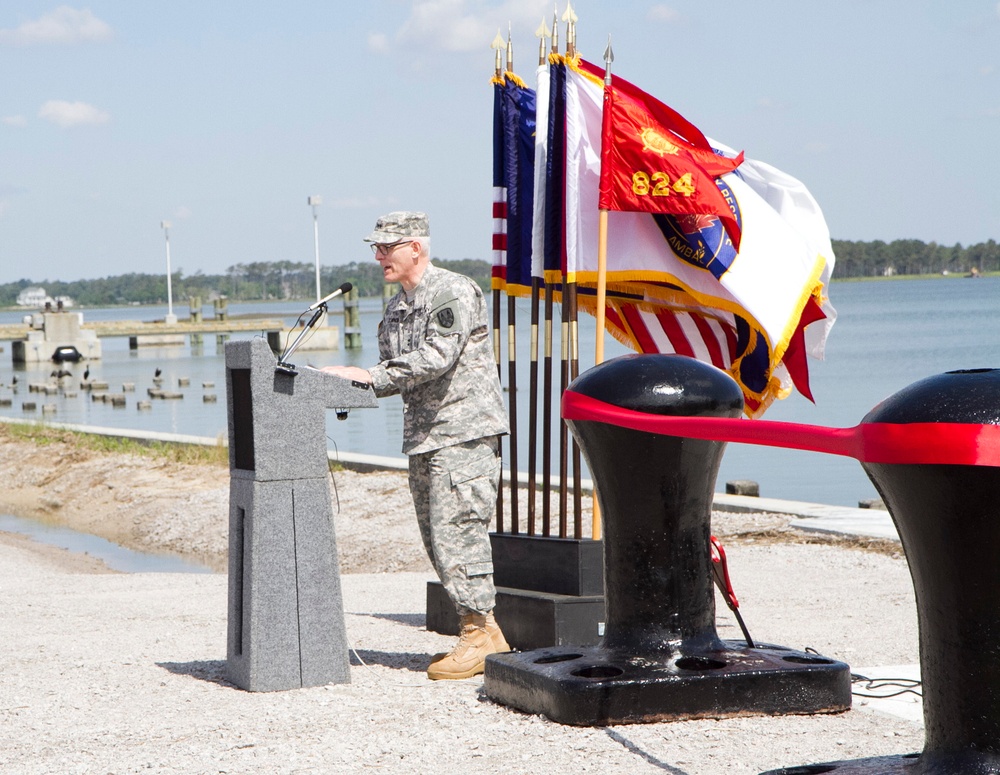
x=286, y=615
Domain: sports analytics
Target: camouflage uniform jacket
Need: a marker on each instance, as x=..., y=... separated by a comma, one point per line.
x=435, y=351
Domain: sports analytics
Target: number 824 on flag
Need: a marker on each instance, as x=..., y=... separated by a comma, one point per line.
x=658, y=184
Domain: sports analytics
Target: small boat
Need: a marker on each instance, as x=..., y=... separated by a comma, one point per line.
x=66, y=353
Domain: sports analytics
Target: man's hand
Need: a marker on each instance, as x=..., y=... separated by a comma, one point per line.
x=355, y=373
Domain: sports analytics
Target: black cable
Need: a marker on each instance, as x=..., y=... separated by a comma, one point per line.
x=905, y=686
x=295, y=327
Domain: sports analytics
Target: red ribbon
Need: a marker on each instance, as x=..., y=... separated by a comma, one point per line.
x=923, y=443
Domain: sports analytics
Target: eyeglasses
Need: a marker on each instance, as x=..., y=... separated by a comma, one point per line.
x=384, y=250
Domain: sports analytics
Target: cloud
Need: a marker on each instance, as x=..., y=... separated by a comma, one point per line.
x=182, y=213
x=465, y=25
x=61, y=26
x=378, y=42
x=68, y=114
x=662, y=13
x=14, y=121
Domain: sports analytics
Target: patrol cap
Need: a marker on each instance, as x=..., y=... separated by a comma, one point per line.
x=400, y=225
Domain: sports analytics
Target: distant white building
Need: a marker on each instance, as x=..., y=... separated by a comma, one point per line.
x=32, y=297
x=37, y=298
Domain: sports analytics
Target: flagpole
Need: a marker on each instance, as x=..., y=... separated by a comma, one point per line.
x=573, y=365
x=574, y=372
x=547, y=372
x=602, y=242
x=602, y=283
x=512, y=369
x=536, y=286
x=602, y=291
x=498, y=78
x=564, y=361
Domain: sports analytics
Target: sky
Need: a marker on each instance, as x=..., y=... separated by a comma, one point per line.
x=223, y=117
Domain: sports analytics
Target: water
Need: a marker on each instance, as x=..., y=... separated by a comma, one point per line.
x=114, y=556
x=888, y=335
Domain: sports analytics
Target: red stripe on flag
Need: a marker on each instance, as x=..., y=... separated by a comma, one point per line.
x=613, y=320
x=731, y=342
x=678, y=339
x=639, y=331
x=711, y=343
x=499, y=241
x=500, y=210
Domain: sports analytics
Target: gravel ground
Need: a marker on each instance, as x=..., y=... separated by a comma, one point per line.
x=121, y=673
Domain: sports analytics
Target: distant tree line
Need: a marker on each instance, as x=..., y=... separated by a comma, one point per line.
x=268, y=280
x=279, y=280
x=912, y=257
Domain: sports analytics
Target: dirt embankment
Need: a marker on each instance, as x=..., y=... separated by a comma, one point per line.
x=152, y=503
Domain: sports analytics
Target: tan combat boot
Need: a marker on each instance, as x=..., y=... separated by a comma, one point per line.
x=500, y=644
x=475, y=643
x=496, y=635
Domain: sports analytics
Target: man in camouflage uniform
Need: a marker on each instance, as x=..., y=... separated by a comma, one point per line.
x=435, y=351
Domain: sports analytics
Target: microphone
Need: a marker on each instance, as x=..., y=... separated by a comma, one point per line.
x=341, y=290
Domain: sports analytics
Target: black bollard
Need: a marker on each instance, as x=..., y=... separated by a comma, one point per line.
x=660, y=657
x=948, y=519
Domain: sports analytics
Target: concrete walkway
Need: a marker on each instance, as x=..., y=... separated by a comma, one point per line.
x=868, y=523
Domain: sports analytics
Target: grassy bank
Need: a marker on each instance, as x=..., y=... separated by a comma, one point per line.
x=65, y=440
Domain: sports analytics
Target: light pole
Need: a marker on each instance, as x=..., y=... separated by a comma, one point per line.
x=313, y=202
x=171, y=317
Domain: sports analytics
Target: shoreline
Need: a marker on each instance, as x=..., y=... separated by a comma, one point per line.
x=80, y=307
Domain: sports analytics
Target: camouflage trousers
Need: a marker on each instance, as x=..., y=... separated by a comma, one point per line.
x=454, y=492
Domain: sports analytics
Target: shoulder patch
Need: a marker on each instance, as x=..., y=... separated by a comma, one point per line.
x=446, y=317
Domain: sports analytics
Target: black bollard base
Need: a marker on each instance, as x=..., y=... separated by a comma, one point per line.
x=593, y=686
x=967, y=762
x=879, y=765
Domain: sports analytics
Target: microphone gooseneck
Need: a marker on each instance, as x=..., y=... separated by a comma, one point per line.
x=340, y=291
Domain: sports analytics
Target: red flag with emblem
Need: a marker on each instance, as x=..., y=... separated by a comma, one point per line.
x=649, y=165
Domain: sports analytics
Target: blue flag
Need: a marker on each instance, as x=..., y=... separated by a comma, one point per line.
x=513, y=183
x=518, y=111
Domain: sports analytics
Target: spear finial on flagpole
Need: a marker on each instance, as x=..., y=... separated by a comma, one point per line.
x=541, y=33
x=555, y=30
x=497, y=45
x=510, y=51
x=571, y=19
